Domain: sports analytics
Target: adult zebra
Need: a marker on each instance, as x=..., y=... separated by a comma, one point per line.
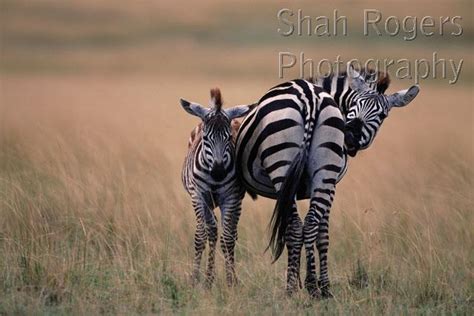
x=294, y=145
x=209, y=176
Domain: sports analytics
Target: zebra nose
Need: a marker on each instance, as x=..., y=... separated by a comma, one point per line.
x=354, y=127
x=356, y=124
x=218, y=171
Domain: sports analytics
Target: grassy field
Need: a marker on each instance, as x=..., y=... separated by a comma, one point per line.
x=92, y=138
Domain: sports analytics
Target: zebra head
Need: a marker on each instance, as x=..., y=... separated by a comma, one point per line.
x=217, y=152
x=367, y=108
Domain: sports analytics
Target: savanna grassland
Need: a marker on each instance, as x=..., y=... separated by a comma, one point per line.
x=94, y=218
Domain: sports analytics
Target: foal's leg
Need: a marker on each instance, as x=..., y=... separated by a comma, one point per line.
x=211, y=229
x=200, y=237
x=230, y=218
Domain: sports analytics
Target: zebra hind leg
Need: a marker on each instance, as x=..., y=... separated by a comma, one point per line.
x=310, y=229
x=228, y=238
x=211, y=228
x=314, y=224
x=294, y=243
x=322, y=244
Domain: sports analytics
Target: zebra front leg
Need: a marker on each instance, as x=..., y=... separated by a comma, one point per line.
x=294, y=243
x=211, y=229
x=231, y=215
x=322, y=243
x=200, y=237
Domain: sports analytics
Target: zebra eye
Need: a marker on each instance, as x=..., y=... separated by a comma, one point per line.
x=350, y=115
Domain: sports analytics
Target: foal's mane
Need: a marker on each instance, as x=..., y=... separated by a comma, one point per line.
x=216, y=99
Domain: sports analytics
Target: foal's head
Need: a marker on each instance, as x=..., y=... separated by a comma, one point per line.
x=217, y=145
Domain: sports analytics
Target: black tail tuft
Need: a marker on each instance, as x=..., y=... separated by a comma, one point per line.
x=282, y=211
x=252, y=194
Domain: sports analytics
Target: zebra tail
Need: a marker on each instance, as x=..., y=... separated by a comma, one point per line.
x=283, y=206
x=252, y=194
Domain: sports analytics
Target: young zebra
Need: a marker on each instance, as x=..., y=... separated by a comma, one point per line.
x=294, y=145
x=210, y=178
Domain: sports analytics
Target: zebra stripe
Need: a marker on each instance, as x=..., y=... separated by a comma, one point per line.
x=294, y=145
x=209, y=176
x=291, y=146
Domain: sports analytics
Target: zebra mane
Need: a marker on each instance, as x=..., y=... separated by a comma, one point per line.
x=216, y=99
x=378, y=81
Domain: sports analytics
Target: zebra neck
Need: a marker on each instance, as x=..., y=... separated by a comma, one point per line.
x=338, y=87
x=346, y=99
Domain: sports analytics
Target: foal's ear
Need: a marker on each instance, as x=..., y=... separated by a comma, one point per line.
x=194, y=108
x=403, y=97
x=239, y=110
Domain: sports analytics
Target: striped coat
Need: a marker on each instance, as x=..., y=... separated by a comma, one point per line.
x=295, y=145
x=210, y=178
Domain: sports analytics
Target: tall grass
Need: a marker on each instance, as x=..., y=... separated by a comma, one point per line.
x=94, y=220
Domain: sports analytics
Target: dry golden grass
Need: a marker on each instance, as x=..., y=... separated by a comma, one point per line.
x=93, y=215
x=94, y=218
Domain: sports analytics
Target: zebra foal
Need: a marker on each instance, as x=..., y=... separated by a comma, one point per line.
x=210, y=178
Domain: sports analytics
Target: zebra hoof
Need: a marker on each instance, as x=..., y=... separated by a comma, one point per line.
x=208, y=282
x=195, y=279
x=291, y=290
x=293, y=284
x=233, y=282
x=208, y=285
x=325, y=291
x=311, y=286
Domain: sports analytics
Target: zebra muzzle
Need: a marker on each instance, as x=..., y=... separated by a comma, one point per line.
x=218, y=171
x=352, y=144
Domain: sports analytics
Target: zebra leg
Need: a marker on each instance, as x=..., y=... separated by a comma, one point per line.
x=230, y=215
x=211, y=229
x=200, y=237
x=294, y=243
x=325, y=163
x=322, y=244
x=310, y=229
x=320, y=205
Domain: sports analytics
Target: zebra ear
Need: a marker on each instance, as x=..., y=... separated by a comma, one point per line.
x=194, y=108
x=403, y=97
x=239, y=110
x=356, y=80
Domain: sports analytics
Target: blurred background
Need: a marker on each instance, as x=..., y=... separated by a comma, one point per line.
x=92, y=138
